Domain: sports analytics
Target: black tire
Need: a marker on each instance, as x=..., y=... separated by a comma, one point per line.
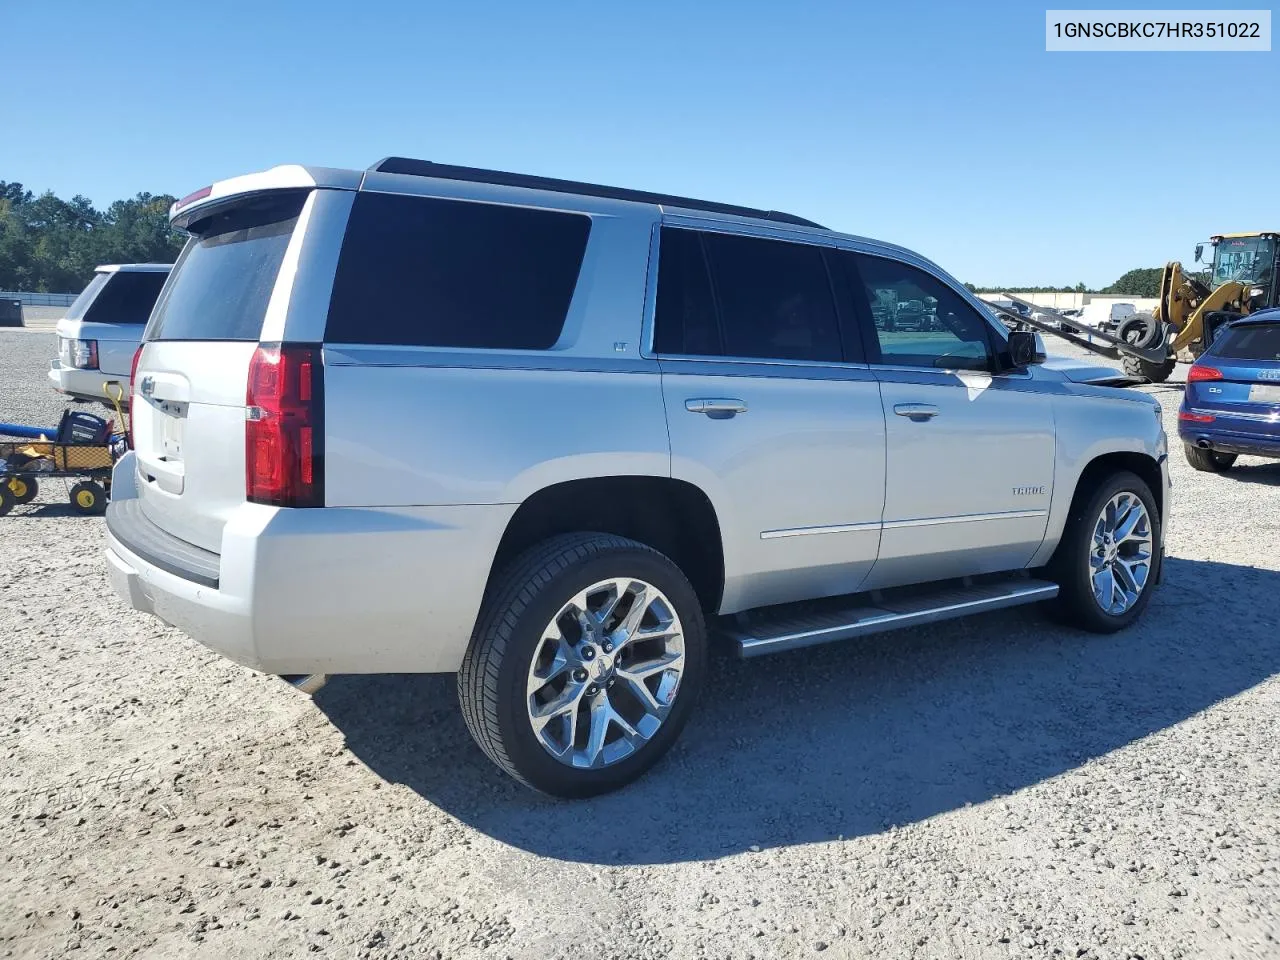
x=1139, y=330
x=1069, y=567
x=1208, y=461
x=88, y=497
x=521, y=601
x=1155, y=372
x=22, y=489
x=6, y=499
x=1142, y=331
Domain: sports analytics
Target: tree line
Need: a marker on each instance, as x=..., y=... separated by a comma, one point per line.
x=51, y=245
x=1142, y=282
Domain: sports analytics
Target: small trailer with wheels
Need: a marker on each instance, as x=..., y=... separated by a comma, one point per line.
x=81, y=454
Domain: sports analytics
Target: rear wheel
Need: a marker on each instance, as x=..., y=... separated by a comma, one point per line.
x=1209, y=461
x=6, y=499
x=1108, y=558
x=586, y=660
x=23, y=489
x=88, y=497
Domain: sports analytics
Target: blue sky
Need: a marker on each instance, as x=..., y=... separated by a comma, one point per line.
x=945, y=127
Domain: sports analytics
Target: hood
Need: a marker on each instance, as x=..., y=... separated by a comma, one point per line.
x=1084, y=371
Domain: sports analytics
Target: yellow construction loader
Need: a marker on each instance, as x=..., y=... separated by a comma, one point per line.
x=1239, y=278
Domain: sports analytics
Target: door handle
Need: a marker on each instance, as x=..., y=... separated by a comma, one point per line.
x=717, y=408
x=918, y=412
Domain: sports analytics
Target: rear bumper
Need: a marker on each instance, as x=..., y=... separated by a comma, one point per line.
x=334, y=590
x=1222, y=436
x=85, y=384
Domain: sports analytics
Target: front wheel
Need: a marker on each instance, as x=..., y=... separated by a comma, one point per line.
x=1208, y=461
x=586, y=660
x=1107, y=561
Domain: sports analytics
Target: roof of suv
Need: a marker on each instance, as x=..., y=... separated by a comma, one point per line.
x=133, y=268
x=445, y=171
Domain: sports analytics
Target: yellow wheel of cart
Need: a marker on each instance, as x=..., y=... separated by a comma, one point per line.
x=88, y=497
x=23, y=489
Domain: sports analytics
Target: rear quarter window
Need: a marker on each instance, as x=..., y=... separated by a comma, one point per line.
x=127, y=297
x=1250, y=341
x=421, y=271
x=225, y=275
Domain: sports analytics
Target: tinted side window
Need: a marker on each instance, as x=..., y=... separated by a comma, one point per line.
x=448, y=273
x=685, y=320
x=127, y=298
x=918, y=320
x=774, y=299
x=1250, y=341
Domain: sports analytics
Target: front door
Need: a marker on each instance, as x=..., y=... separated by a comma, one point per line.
x=970, y=454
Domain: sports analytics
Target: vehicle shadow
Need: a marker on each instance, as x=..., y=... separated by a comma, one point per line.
x=1267, y=472
x=849, y=739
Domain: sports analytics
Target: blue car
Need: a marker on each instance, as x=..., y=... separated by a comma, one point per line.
x=1232, y=402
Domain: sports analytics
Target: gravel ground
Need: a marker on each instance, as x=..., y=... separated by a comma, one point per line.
x=993, y=787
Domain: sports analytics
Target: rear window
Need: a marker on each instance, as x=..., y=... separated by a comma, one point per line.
x=127, y=297
x=447, y=273
x=1250, y=341
x=86, y=298
x=224, y=278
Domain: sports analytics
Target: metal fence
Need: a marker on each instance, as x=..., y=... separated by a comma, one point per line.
x=39, y=299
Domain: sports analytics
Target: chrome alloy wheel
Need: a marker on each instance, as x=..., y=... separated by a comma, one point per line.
x=605, y=673
x=1120, y=561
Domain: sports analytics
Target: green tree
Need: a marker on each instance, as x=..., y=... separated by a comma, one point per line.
x=52, y=245
x=1143, y=282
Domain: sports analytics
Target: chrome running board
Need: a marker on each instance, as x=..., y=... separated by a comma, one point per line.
x=771, y=630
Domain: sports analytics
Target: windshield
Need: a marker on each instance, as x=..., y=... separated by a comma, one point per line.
x=1247, y=259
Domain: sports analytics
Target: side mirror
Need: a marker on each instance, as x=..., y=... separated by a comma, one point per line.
x=1024, y=350
x=1199, y=252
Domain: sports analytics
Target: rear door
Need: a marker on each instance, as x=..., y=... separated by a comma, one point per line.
x=970, y=454
x=769, y=413
x=188, y=405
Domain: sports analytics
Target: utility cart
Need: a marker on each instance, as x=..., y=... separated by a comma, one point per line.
x=80, y=453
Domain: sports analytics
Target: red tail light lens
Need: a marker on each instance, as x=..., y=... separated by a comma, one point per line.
x=133, y=380
x=1198, y=373
x=193, y=197
x=1189, y=417
x=284, y=430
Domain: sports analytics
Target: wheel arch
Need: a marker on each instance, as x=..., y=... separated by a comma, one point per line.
x=1104, y=465
x=674, y=517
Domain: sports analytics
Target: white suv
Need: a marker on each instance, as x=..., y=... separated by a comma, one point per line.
x=100, y=333
x=549, y=435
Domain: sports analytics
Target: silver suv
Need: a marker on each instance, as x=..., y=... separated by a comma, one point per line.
x=553, y=436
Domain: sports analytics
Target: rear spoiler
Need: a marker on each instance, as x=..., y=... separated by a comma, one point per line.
x=1078, y=333
x=287, y=177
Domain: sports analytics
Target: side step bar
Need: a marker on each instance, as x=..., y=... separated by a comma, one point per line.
x=767, y=631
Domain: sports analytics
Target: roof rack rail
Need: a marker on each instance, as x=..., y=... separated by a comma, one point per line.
x=445, y=171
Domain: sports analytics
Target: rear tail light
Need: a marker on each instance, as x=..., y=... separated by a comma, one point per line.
x=133, y=380
x=80, y=354
x=1199, y=372
x=1188, y=417
x=284, y=428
